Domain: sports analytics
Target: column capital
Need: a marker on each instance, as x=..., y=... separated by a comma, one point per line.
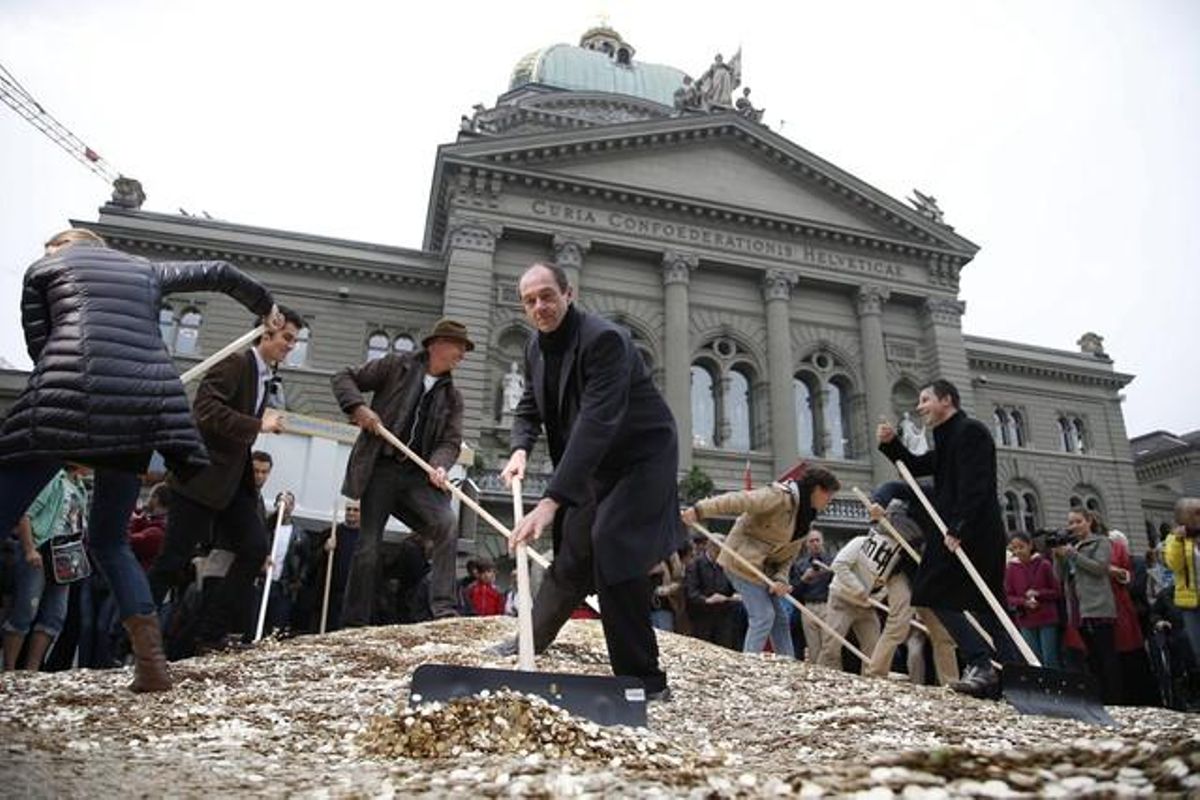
x=871, y=299
x=474, y=234
x=677, y=266
x=944, y=310
x=569, y=250
x=777, y=284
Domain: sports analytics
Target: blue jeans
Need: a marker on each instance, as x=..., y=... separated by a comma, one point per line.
x=113, y=498
x=37, y=604
x=663, y=619
x=1043, y=641
x=766, y=616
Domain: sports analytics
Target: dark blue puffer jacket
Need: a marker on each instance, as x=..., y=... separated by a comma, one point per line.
x=103, y=390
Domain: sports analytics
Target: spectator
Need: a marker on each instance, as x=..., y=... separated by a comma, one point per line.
x=148, y=527
x=1136, y=679
x=810, y=585
x=1033, y=592
x=482, y=593
x=464, y=583
x=711, y=601
x=59, y=512
x=1083, y=569
x=262, y=464
x=1181, y=553
x=668, y=607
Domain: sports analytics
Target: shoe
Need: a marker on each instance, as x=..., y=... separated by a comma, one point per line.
x=503, y=650
x=663, y=695
x=981, y=682
x=150, y=663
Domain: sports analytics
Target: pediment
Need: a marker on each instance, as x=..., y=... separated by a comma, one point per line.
x=723, y=161
x=725, y=173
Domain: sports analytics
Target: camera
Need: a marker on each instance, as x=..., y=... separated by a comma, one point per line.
x=1057, y=538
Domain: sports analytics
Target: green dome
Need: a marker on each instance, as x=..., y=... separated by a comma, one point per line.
x=579, y=69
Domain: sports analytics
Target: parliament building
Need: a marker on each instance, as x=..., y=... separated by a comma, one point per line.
x=783, y=304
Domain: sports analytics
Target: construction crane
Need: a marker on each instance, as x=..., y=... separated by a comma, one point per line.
x=18, y=98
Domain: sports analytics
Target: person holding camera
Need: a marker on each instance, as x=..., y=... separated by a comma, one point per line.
x=1181, y=552
x=1083, y=567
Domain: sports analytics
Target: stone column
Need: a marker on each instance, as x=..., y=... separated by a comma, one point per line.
x=470, y=248
x=948, y=353
x=677, y=368
x=777, y=293
x=870, y=321
x=568, y=254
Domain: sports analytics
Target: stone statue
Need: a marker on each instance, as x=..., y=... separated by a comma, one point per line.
x=745, y=109
x=514, y=387
x=687, y=96
x=719, y=81
x=128, y=193
x=913, y=436
x=927, y=206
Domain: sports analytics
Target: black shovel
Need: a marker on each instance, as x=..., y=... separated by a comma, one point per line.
x=1030, y=688
x=604, y=699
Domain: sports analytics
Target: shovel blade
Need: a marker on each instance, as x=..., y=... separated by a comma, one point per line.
x=1054, y=693
x=606, y=700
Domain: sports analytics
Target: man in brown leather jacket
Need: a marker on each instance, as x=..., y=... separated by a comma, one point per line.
x=415, y=398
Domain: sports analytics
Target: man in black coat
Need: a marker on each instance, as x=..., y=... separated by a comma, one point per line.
x=611, y=500
x=963, y=466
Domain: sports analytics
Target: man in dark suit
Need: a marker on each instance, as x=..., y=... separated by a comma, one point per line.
x=230, y=412
x=963, y=466
x=414, y=396
x=611, y=501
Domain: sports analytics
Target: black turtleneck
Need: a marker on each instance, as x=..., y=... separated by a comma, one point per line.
x=553, y=345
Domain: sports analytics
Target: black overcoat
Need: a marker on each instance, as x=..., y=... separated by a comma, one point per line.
x=103, y=389
x=620, y=447
x=963, y=466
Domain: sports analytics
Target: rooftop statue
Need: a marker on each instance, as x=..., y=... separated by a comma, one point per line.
x=719, y=81
x=927, y=206
x=745, y=109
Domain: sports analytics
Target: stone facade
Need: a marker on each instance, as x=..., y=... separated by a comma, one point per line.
x=812, y=302
x=1167, y=467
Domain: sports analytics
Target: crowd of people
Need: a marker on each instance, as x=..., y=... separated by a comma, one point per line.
x=203, y=565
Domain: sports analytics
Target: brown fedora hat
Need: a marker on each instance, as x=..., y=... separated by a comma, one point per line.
x=446, y=328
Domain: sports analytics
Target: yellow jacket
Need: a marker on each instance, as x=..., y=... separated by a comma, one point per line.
x=1179, y=554
x=763, y=531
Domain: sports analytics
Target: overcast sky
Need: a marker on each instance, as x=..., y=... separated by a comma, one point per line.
x=1059, y=136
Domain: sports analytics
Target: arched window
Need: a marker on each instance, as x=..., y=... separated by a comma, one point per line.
x=187, y=335
x=299, y=355
x=404, y=344
x=737, y=410
x=378, y=345
x=1011, y=511
x=704, y=407
x=1086, y=496
x=1029, y=512
x=1018, y=428
x=166, y=326
x=805, y=429
x=1000, y=427
x=837, y=419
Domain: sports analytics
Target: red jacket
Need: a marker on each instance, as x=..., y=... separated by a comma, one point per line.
x=485, y=599
x=146, y=535
x=1127, y=632
x=1036, y=574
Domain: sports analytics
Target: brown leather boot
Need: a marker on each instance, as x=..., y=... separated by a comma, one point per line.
x=150, y=665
